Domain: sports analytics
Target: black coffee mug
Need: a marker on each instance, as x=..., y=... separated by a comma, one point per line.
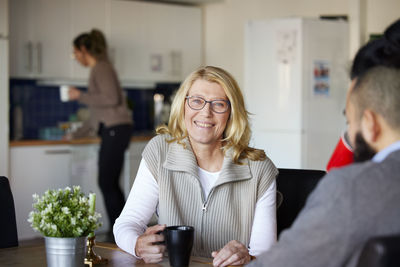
x=179, y=241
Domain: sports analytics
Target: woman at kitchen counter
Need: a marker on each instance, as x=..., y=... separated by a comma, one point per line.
x=200, y=171
x=109, y=116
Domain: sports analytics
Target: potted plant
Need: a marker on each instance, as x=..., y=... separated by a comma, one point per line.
x=65, y=217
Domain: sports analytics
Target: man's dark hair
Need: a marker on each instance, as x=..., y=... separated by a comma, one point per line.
x=381, y=52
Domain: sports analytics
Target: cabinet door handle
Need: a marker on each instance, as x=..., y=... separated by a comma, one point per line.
x=29, y=55
x=39, y=57
x=57, y=151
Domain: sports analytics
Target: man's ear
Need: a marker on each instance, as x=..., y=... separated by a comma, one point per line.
x=370, y=126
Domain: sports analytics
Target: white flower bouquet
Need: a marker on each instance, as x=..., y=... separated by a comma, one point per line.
x=64, y=213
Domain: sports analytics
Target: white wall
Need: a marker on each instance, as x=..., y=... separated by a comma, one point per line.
x=224, y=23
x=4, y=125
x=380, y=14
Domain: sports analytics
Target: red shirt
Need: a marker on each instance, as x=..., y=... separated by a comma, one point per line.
x=341, y=156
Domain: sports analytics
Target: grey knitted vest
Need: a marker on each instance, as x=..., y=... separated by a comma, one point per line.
x=227, y=214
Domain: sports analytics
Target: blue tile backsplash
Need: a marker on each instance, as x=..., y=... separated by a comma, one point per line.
x=41, y=107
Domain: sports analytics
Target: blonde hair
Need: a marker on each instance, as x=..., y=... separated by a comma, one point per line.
x=237, y=132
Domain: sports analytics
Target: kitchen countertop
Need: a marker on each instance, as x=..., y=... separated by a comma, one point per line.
x=81, y=141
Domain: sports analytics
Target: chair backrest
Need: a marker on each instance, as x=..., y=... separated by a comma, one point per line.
x=295, y=185
x=8, y=224
x=383, y=251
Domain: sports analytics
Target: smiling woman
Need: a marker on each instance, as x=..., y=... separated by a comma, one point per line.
x=200, y=171
x=204, y=125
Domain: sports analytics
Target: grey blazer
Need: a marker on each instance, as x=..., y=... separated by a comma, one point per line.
x=349, y=206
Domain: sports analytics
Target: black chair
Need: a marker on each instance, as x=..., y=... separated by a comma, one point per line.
x=8, y=224
x=383, y=251
x=295, y=185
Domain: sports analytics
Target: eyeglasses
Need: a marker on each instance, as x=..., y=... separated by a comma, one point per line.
x=198, y=103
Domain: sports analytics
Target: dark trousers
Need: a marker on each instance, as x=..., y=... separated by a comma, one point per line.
x=114, y=141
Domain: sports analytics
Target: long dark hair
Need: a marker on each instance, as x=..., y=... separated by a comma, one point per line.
x=384, y=51
x=94, y=42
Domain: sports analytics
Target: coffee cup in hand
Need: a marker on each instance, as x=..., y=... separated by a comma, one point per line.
x=64, y=93
x=179, y=242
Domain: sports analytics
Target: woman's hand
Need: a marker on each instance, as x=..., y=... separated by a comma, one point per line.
x=147, y=246
x=233, y=253
x=74, y=93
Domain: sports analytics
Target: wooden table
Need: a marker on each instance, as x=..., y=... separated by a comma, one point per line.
x=35, y=256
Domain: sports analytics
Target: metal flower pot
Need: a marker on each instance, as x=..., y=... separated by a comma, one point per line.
x=65, y=251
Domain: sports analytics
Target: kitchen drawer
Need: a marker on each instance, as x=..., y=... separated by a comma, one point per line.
x=35, y=170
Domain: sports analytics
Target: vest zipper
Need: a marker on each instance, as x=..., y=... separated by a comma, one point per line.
x=204, y=210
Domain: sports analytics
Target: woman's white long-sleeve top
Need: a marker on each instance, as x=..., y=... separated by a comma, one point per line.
x=143, y=201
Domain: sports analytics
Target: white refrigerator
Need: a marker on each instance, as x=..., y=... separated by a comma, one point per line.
x=296, y=78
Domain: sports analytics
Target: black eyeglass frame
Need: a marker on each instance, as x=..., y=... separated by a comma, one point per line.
x=211, y=103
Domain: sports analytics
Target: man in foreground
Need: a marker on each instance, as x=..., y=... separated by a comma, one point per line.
x=352, y=204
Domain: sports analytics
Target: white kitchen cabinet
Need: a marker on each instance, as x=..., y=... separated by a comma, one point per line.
x=135, y=156
x=40, y=38
x=35, y=169
x=155, y=41
x=3, y=19
x=42, y=32
x=84, y=172
x=147, y=41
x=20, y=39
x=83, y=22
